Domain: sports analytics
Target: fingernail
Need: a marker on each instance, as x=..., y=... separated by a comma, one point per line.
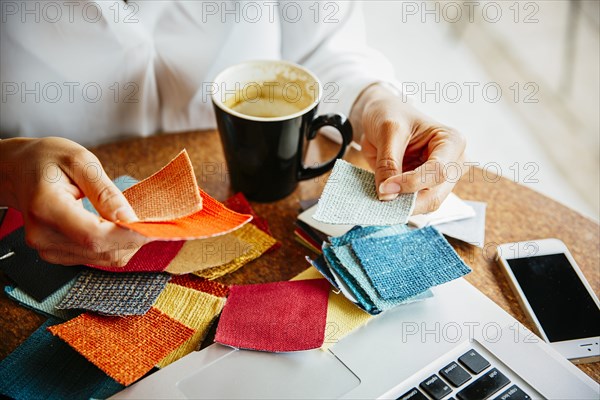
x=389, y=188
x=387, y=197
x=126, y=214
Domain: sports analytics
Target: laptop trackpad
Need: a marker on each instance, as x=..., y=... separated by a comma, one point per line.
x=246, y=374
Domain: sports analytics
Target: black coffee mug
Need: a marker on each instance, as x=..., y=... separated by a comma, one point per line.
x=266, y=111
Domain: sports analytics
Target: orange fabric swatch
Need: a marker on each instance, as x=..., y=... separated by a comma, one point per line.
x=170, y=193
x=200, y=284
x=214, y=219
x=124, y=348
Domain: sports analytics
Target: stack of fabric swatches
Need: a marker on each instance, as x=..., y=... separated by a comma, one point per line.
x=116, y=324
x=383, y=263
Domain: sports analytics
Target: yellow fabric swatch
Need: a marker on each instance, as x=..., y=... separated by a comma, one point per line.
x=200, y=254
x=342, y=315
x=192, y=308
x=258, y=241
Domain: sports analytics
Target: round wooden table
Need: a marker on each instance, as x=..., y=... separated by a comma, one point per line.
x=514, y=213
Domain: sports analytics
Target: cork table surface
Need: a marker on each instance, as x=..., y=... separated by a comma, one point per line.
x=514, y=213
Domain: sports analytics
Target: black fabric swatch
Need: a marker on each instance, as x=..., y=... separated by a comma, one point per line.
x=34, y=276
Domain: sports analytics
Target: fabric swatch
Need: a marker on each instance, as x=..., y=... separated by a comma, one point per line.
x=124, y=348
x=122, y=182
x=200, y=254
x=320, y=264
x=259, y=243
x=192, y=308
x=46, y=307
x=201, y=284
x=341, y=259
x=168, y=194
x=350, y=197
x=45, y=367
x=403, y=266
x=155, y=256
x=240, y=204
x=275, y=317
x=343, y=316
x=114, y=294
x=12, y=221
x=40, y=278
x=214, y=219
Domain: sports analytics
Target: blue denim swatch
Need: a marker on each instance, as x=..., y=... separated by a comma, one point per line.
x=46, y=367
x=403, y=266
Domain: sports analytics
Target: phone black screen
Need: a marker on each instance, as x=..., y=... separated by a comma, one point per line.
x=557, y=296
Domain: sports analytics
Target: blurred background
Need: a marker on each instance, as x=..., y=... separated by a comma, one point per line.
x=521, y=79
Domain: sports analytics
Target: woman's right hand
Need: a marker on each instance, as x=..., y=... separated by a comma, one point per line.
x=46, y=179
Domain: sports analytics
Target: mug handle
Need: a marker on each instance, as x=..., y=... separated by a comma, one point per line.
x=342, y=124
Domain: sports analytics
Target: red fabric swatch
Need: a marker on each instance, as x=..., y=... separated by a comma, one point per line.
x=151, y=257
x=214, y=219
x=275, y=317
x=13, y=220
x=240, y=204
x=200, y=284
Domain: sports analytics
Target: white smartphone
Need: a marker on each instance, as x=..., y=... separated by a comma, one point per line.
x=555, y=295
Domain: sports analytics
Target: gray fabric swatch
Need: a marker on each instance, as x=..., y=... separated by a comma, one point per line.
x=350, y=197
x=117, y=294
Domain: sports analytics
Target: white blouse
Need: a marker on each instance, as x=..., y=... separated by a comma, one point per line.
x=96, y=71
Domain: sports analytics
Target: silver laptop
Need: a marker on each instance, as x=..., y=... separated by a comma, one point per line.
x=457, y=344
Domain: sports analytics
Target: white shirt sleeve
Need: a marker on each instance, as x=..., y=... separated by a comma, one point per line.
x=329, y=39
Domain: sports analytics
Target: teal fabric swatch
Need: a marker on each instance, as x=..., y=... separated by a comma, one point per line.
x=342, y=259
x=45, y=367
x=46, y=307
x=403, y=266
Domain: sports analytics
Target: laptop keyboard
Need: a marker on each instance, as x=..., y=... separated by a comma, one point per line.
x=470, y=377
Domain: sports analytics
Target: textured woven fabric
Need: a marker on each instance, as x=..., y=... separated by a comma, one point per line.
x=12, y=220
x=214, y=219
x=114, y=294
x=347, y=272
x=124, y=348
x=122, y=182
x=151, y=257
x=34, y=276
x=320, y=265
x=201, y=284
x=343, y=316
x=341, y=258
x=240, y=204
x=259, y=243
x=276, y=317
x=46, y=307
x=403, y=266
x=350, y=197
x=168, y=194
x=354, y=267
x=200, y=254
x=192, y=308
x=44, y=367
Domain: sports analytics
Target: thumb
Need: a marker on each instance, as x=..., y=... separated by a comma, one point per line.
x=390, y=153
x=104, y=195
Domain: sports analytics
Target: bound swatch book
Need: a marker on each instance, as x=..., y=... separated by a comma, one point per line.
x=381, y=263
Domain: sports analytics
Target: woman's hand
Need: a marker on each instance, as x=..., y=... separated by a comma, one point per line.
x=45, y=180
x=408, y=151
